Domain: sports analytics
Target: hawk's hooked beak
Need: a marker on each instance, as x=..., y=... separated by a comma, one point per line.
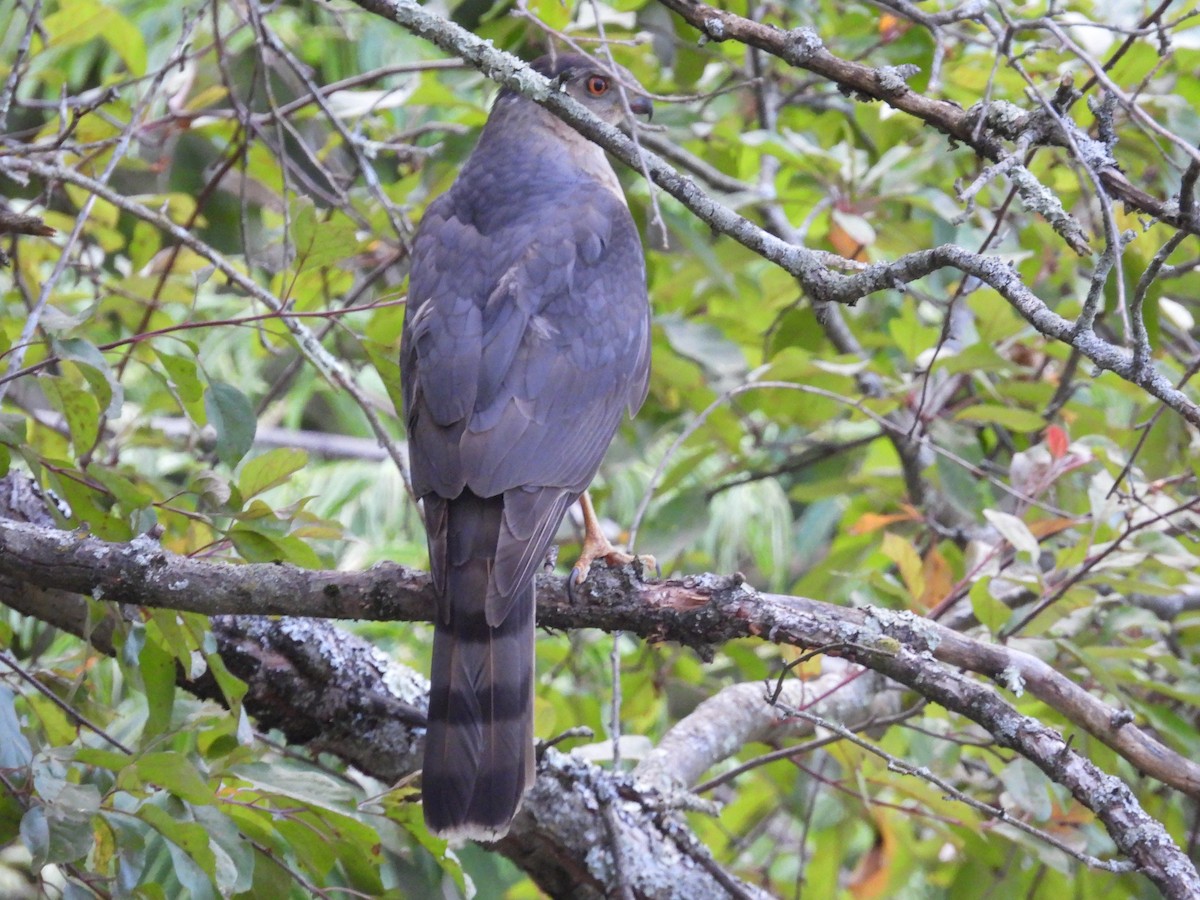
x=641, y=106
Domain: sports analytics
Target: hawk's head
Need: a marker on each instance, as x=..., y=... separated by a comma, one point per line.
x=597, y=85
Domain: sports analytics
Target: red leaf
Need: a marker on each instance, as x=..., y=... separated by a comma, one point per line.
x=1057, y=441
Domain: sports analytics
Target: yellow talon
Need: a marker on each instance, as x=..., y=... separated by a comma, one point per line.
x=597, y=546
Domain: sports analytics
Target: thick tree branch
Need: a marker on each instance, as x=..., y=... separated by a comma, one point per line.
x=578, y=818
x=743, y=713
x=697, y=611
x=334, y=692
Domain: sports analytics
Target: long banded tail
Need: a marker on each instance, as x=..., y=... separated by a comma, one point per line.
x=479, y=744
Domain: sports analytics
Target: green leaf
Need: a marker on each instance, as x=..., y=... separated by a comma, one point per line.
x=233, y=851
x=13, y=429
x=84, y=504
x=232, y=687
x=79, y=21
x=314, y=847
x=70, y=821
x=1013, y=530
x=908, y=560
x=1027, y=786
x=990, y=612
x=961, y=485
x=94, y=367
x=340, y=834
x=386, y=359
x=707, y=345
x=973, y=359
x=190, y=837
x=126, y=40
x=157, y=667
x=113, y=760
x=910, y=335
x=74, y=890
x=184, y=376
x=300, y=783
x=166, y=628
x=78, y=407
x=11, y=813
x=214, y=491
x=385, y=325
x=255, y=546
x=260, y=512
x=128, y=494
x=232, y=416
x=57, y=727
x=74, y=23
x=176, y=773
x=320, y=243
x=35, y=835
x=268, y=470
x=1007, y=416
x=401, y=809
x=15, y=752
x=144, y=243
x=554, y=13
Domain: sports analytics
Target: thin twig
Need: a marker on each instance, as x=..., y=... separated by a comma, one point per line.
x=896, y=764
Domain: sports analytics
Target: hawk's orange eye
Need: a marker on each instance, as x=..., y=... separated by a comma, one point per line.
x=597, y=85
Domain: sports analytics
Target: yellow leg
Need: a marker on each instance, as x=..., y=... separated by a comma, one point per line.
x=596, y=546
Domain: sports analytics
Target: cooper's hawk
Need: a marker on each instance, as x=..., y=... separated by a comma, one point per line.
x=526, y=338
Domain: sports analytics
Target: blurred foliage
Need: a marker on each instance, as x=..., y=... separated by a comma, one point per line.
x=144, y=396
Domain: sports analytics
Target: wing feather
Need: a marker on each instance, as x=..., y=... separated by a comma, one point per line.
x=514, y=385
x=548, y=356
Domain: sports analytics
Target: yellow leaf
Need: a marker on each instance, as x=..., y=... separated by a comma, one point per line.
x=870, y=878
x=907, y=560
x=1047, y=527
x=869, y=522
x=939, y=580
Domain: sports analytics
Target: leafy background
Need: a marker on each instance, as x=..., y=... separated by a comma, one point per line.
x=156, y=394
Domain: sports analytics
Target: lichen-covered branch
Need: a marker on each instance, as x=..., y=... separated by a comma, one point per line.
x=802, y=47
x=742, y=714
x=698, y=611
x=333, y=692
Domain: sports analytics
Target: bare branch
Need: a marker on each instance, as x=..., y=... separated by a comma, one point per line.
x=896, y=764
x=802, y=48
x=697, y=611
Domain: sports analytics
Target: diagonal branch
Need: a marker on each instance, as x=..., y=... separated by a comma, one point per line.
x=818, y=280
x=802, y=48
